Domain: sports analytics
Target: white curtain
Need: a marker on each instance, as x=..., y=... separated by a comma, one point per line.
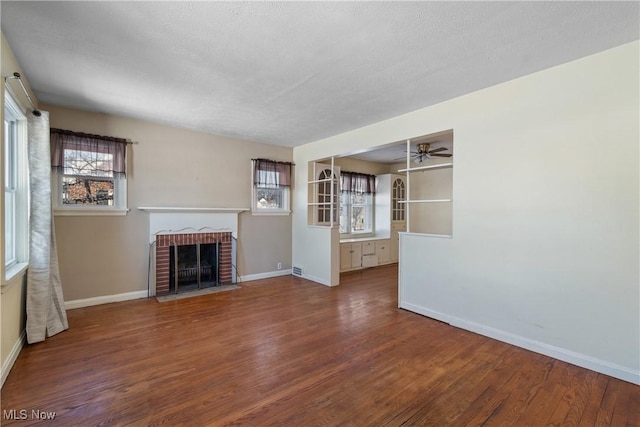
x=46, y=315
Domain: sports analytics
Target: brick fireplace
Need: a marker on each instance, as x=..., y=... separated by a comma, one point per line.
x=171, y=227
x=166, y=243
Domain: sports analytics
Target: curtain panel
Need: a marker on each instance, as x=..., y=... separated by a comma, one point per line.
x=107, y=153
x=357, y=182
x=270, y=173
x=46, y=315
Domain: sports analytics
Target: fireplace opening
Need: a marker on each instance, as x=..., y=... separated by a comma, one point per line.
x=193, y=267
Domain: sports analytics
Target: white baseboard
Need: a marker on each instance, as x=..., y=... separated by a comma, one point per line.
x=12, y=357
x=267, y=275
x=316, y=279
x=559, y=353
x=88, y=302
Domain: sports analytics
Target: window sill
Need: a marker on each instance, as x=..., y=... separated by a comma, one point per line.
x=12, y=273
x=275, y=213
x=89, y=212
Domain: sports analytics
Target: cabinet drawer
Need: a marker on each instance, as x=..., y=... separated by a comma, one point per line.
x=399, y=226
x=368, y=248
x=369, y=260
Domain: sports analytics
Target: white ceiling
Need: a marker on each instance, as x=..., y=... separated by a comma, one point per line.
x=289, y=73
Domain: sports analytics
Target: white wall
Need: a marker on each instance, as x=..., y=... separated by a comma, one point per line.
x=545, y=248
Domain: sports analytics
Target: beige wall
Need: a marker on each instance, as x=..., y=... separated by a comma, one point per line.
x=12, y=314
x=361, y=166
x=102, y=256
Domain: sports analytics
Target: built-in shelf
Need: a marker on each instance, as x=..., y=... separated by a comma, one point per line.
x=172, y=209
x=422, y=168
x=316, y=181
x=427, y=201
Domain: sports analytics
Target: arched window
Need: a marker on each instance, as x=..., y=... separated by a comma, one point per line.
x=323, y=197
x=398, y=194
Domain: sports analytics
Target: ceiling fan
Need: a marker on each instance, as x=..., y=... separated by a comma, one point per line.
x=423, y=152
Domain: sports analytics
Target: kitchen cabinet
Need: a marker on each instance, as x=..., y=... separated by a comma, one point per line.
x=383, y=251
x=363, y=254
x=396, y=228
x=350, y=256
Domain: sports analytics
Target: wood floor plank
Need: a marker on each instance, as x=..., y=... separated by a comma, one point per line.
x=286, y=351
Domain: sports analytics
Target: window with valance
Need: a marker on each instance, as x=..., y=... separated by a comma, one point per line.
x=89, y=171
x=271, y=186
x=357, y=192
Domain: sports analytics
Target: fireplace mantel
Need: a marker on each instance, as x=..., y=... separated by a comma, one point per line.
x=175, y=219
x=183, y=224
x=176, y=209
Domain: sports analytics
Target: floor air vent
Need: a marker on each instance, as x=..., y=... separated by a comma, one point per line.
x=297, y=271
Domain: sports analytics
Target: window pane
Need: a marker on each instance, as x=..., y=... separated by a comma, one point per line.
x=86, y=191
x=88, y=163
x=269, y=198
x=10, y=228
x=358, y=198
x=10, y=179
x=344, y=212
x=358, y=217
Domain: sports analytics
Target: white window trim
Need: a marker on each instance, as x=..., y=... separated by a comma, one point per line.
x=255, y=210
x=371, y=211
x=334, y=204
x=21, y=236
x=119, y=207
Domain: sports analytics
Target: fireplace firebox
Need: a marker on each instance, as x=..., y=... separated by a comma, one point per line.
x=193, y=267
x=216, y=261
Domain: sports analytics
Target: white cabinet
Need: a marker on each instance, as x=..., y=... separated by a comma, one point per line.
x=369, y=257
x=395, y=239
x=366, y=253
x=368, y=248
x=390, y=190
x=390, y=213
x=383, y=251
x=350, y=255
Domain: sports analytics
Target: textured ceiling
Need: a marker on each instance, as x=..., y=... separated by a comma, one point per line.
x=288, y=73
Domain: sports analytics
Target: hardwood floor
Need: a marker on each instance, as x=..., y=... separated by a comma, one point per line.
x=289, y=352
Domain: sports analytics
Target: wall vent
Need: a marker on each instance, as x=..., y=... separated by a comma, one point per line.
x=297, y=271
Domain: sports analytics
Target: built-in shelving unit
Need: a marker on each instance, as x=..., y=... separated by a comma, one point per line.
x=322, y=203
x=422, y=168
x=409, y=171
x=427, y=201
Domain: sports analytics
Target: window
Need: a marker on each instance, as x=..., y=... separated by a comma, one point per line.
x=356, y=207
x=271, y=187
x=89, y=173
x=16, y=215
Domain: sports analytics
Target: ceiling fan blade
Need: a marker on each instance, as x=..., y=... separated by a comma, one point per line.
x=442, y=155
x=435, y=150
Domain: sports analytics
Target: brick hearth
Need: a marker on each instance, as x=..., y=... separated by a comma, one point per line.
x=164, y=242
